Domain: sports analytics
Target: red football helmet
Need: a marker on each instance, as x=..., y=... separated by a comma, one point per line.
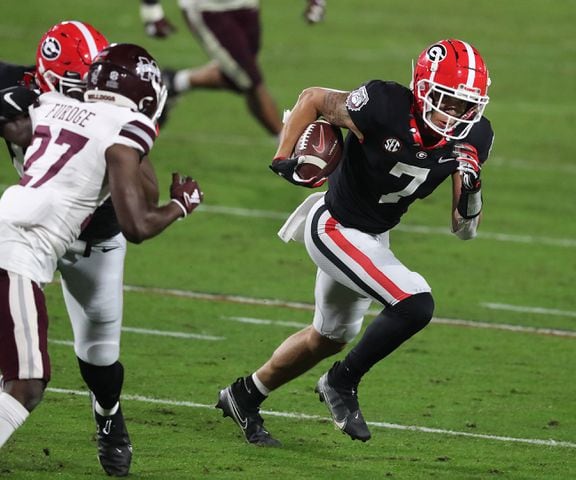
x=446, y=72
x=127, y=75
x=64, y=55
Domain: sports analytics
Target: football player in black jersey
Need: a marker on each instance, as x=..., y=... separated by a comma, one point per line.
x=402, y=143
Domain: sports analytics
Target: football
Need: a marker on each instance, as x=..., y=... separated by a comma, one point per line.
x=319, y=150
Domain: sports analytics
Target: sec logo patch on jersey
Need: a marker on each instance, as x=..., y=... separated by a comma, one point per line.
x=391, y=145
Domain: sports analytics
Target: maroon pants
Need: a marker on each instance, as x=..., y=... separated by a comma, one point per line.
x=237, y=34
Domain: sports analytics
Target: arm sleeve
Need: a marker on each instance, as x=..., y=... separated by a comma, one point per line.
x=11, y=75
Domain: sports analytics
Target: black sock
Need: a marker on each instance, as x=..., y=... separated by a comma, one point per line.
x=344, y=374
x=104, y=382
x=392, y=327
x=247, y=393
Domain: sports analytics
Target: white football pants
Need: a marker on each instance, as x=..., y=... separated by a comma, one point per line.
x=354, y=269
x=93, y=293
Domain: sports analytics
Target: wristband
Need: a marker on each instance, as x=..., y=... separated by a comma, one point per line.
x=179, y=203
x=470, y=204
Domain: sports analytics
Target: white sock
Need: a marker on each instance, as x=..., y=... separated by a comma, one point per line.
x=106, y=412
x=12, y=415
x=260, y=386
x=181, y=81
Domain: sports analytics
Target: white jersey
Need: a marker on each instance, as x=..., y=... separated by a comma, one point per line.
x=64, y=179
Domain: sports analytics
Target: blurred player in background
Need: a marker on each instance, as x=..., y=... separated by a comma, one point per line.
x=315, y=11
x=68, y=191
x=229, y=31
x=402, y=143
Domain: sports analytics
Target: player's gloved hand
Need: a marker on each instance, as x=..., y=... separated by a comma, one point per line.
x=185, y=192
x=469, y=166
x=315, y=11
x=14, y=101
x=286, y=168
x=155, y=22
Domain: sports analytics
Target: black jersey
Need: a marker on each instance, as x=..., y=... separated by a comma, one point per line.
x=11, y=75
x=377, y=180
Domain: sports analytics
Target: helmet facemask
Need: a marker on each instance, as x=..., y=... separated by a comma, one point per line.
x=69, y=84
x=435, y=96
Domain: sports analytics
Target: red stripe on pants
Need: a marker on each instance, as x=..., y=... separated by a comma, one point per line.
x=363, y=261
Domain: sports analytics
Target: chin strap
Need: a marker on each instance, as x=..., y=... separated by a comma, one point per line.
x=417, y=137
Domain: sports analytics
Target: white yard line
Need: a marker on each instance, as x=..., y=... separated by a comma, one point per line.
x=420, y=229
x=309, y=307
x=164, y=333
x=499, y=237
x=145, y=331
x=525, y=309
x=303, y=416
x=442, y=321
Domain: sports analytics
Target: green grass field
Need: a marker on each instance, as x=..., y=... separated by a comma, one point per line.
x=486, y=392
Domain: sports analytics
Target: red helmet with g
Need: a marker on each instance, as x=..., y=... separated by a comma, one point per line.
x=64, y=55
x=127, y=75
x=448, y=72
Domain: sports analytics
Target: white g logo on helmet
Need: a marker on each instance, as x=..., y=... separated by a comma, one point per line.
x=51, y=48
x=436, y=53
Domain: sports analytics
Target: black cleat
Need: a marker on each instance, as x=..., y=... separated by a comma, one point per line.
x=342, y=402
x=114, y=447
x=249, y=420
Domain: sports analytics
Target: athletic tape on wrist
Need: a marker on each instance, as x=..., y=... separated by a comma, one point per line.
x=470, y=204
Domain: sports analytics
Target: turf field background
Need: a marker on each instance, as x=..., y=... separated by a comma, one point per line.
x=456, y=402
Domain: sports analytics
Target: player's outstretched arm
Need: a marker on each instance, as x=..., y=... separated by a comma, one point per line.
x=149, y=181
x=139, y=218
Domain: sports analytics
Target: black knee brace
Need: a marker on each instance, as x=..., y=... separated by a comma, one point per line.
x=416, y=311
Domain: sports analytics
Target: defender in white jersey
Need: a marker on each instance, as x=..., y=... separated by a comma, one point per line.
x=63, y=181
x=92, y=269
x=80, y=153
